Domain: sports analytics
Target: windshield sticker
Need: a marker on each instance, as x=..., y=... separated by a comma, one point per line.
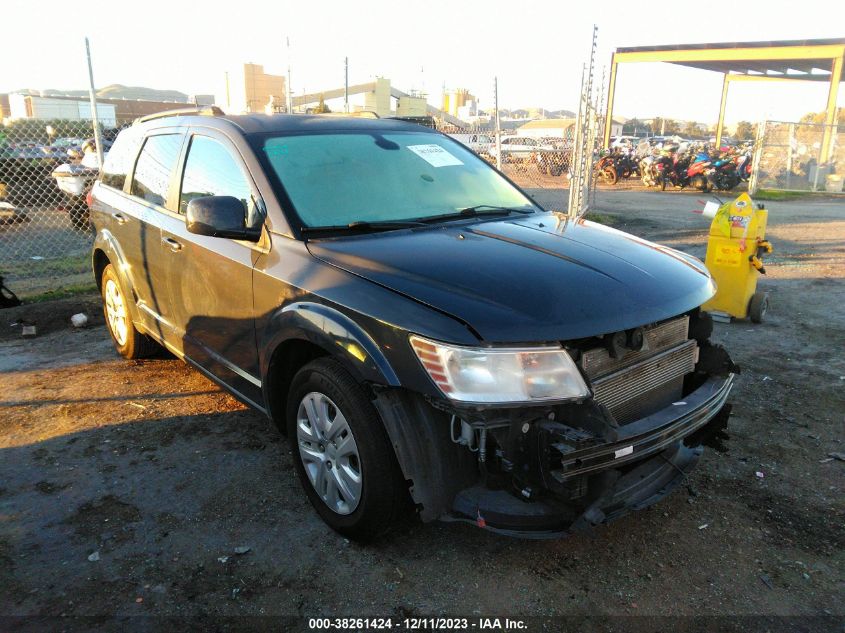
x=434, y=155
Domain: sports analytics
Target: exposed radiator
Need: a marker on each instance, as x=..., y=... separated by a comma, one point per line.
x=598, y=362
x=640, y=383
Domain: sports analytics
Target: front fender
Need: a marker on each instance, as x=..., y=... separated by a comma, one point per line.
x=333, y=331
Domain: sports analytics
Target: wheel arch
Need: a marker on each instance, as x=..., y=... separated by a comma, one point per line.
x=304, y=331
x=99, y=261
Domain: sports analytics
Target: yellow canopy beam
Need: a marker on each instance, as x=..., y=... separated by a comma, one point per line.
x=611, y=92
x=721, y=124
x=764, y=53
x=769, y=78
x=820, y=52
x=830, y=118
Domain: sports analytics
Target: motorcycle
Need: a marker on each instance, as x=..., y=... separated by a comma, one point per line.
x=722, y=173
x=697, y=171
x=743, y=165
x=676, y=172
x=648, y=171
x=627, y=165
x=605, y=170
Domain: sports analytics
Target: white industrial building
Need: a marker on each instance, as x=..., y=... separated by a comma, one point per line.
x=34, y=107
x=556, y=128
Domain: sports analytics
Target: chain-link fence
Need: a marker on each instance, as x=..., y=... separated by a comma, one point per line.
x=538, y=157
x=47, y=167
x=799, y=157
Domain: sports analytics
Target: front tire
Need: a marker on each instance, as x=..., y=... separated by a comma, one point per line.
x=128, y=341
x=343, y=456
x=609, y=175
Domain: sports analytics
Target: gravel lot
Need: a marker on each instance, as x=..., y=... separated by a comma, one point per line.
x=126, y=488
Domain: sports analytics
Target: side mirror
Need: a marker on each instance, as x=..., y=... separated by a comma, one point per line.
x=220, y=216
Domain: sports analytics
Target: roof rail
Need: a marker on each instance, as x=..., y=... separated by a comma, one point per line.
x=358, y=114
x=196, y=111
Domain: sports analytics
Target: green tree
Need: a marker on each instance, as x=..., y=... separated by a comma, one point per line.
x=744, y=131
x=660, y=126
x=633, y=127
x=691, y=129
x=819, y=117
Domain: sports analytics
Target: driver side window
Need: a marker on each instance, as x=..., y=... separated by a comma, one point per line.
x=212, y=170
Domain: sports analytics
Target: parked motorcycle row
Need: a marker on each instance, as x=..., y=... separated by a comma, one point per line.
x=676, y=166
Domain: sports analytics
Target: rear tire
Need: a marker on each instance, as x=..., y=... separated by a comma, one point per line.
x=758, y=306
x=361, y=499
x=128, y=341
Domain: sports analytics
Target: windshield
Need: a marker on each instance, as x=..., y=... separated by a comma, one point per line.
x=339, y=178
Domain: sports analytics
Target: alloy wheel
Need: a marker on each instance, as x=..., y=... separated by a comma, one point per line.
x=116, y=312
x=329, y=452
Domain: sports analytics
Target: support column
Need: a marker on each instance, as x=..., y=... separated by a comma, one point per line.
x=721, y=124
x=830, y=118
x=611, y=92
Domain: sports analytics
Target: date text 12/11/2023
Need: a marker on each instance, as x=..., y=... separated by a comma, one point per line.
x=417, y=624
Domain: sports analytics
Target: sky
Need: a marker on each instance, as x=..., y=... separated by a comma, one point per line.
x=535, y=48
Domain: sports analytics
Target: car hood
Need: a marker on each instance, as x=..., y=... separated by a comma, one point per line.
x=532, y=279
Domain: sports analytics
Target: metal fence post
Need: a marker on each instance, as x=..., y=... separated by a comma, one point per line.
x=789, y=154
x=93, y=95
x=755, y=160
x=498, y=128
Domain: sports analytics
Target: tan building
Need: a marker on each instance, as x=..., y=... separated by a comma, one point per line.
x=563, y=128
x=250, y=89
x=412, y=105
x=378, y=99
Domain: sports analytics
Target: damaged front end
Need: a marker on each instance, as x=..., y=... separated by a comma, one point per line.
x=659, y=393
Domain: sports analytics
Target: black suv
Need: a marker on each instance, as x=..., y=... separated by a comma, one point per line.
x=424, y=333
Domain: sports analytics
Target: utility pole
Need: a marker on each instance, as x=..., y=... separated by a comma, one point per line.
x=93, y=96
x=346, y=84
x=289, y=100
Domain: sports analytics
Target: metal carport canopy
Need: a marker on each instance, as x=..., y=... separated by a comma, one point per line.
x=785, y=60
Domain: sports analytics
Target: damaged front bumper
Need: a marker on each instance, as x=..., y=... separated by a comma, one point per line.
x=645, y=461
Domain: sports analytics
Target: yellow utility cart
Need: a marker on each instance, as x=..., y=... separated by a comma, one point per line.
x=735, y=249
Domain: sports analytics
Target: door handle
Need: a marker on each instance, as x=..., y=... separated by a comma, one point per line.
x=119, y=217
x=172, y=244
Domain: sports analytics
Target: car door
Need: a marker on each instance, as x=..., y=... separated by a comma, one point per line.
x=110, y=204
x=526, y=148
x=209, y=279
x=506, y=144
x=143, y=210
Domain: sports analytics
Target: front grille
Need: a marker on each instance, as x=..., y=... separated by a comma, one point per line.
x=642, y=382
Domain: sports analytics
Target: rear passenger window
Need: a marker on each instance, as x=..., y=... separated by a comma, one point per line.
x=119, y=159
x=154, y=167
x=212, y=170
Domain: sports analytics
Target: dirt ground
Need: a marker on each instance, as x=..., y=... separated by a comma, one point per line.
x=127, y=488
